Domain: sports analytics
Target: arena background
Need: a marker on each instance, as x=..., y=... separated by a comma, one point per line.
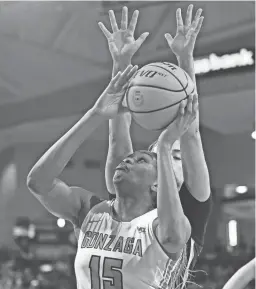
x=54, y=63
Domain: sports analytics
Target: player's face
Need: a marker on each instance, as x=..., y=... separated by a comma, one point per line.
x=176, y=162
x=138, y=169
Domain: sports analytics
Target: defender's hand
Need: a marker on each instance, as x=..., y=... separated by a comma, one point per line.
x=122, y=44
x=184, y=41
x=109, y=103
x=186, y=115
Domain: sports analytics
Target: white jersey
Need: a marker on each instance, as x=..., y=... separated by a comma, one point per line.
x=121, y=255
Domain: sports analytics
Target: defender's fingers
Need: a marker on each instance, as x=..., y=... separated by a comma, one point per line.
x=128, y=75
x=198, y=13
x=194, y=30
x=133, y=22
x=168, y=38
x=199, y=25
x=124, y=76
x=124, y=21
x=115, y=79
x=112, y=19
x=196, y=19
x=179, y=21
x=132, y=72
x=189, y=15
x=104, y=30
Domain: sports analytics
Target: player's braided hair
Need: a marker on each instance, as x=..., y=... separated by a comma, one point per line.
x=176, y=276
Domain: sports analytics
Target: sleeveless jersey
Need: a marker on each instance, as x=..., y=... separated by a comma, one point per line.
x=122, y=255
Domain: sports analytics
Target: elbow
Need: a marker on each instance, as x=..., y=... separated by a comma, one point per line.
x=36, y=182
x=173, y=243
x=31, y=182
x=30, y=178
x=199, y=187
x=204, y=196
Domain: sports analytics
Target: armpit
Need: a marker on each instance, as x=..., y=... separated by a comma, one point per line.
x=85, y=208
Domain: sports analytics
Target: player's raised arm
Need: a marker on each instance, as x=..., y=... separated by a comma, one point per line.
x=122, y=47
x=174, y=229
x=193, y=159
x=56, y=196
x=242, y=277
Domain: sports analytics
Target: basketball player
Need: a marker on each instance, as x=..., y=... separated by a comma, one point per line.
x=242, y=277
x=124, y=243
x=196, y=202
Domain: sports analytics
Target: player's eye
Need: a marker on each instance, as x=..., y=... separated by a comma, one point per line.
x=141, y=160
x=177, y=158
x=128, y=161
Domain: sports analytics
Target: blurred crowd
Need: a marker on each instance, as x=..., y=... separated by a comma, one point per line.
x=22, y=271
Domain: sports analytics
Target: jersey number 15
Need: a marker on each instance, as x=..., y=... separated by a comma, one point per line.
x=110, y=270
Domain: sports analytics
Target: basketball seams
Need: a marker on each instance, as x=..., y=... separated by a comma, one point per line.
x=155, y=86
x=192, y=90
x=187, y=82
x=184, y=88
x=158, y=109
x=156, y=129
x=142, y=118
x=135, y=120
x=185, y=75
x=187, y=85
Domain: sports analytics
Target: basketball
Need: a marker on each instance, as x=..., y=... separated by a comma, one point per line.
x=155, y=92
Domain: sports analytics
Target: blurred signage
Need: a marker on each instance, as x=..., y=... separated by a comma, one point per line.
x=51, y=252
x=24, y=232
x=55, y=236
x=24, y=228
x=52, y=244
x=242, y=58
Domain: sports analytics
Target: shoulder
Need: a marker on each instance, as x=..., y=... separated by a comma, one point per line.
x=86, y=198
x=88, y=201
